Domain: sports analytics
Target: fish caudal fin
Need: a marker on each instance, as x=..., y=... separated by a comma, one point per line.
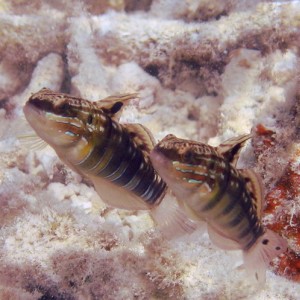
x=171, y=219
x=258, y=257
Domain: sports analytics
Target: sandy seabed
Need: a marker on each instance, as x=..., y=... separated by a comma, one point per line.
x=204, y=70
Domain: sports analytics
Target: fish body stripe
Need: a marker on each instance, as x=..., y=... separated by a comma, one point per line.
x=154, y=190
x=98, y=149
x=115, y=157
x=112, y=159
x=122, y=174
x=230, y=203
x=220, y=186
x=136, y=177
x=89, y=138
x=128, y=170
x=205, y=178
x=240, y=194
x=234, y=197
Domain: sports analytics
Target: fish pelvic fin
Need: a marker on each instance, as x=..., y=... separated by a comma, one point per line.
x=113, y=105
x=171, y=219
x=117, y=197
x=220, y=240
x=258, y=257
x=32, y=142
x=230, y=149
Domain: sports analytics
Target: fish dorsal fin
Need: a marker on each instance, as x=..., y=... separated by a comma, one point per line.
x=142, y=137
x=113, y=105
x=230, y=149
x=117, y=197
x=255, y=189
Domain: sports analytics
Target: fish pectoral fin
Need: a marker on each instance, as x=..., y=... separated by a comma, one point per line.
x=255, y=187
x=230, y=149
x=113, y=105
x=221, y=241
x=171, y=219
x=142, y=137
x=258, y=257
x=117, y=197
x=26, y=136
x=32, y=141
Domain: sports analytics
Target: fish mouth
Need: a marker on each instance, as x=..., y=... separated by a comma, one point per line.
x=36, y=119
x=33, y=113
x=164, y=166
x=161, y=163
x=157, y=158
x=49, y=127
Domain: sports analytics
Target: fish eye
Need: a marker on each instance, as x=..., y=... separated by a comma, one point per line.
x=64, y=107
x=188, y=155
x=90, y=119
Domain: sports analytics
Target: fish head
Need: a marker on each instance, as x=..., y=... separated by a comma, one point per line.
x=175, y=160
x=163, y=157
x=185, y=151
x=55, y=118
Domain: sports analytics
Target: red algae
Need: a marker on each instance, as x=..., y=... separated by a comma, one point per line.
x=281, y=206
x=264, y=139
x=289, y=266
x=287, y=221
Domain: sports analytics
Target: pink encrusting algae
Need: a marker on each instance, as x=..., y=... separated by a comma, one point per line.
x=281, y=205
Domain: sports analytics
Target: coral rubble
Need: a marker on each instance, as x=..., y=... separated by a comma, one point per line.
x=207, y=70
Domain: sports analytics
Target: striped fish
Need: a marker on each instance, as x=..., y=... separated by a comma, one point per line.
x=88, y=138
x=210, y=188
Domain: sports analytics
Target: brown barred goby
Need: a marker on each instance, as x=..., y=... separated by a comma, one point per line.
x=88, y=137
x=210, y=188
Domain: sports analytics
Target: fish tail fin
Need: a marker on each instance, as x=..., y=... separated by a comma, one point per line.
x=171, y=219
x=258, y=257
